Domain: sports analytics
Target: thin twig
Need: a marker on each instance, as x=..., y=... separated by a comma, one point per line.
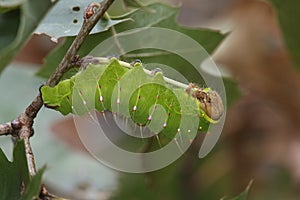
x=6, y=129
x=26, y=119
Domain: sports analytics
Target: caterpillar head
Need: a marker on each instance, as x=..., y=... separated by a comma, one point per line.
x=210, y=101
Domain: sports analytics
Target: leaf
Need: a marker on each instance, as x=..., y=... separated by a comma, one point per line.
x=66, y=18
x=9, y=23
x=34, y=186
x=14, y=176
x=288, y=14
x=9, y=5
x=244, y=194
x=161, y=16
x=18, y=26
x=138, y=3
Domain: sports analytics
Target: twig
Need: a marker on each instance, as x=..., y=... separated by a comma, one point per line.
x=25, y=120
x=6, y=129
x=45, y=195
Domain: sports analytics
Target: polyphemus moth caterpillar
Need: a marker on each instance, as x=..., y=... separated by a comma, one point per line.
x=147, y=98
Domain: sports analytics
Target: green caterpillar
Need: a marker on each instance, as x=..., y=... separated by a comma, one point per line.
x=146, y=99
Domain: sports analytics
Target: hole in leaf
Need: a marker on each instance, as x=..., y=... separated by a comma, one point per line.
x=76, y=8
x=75, y=21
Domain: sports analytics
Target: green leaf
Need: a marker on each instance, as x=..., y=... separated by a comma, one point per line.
x=34, y=186
x=17, y=26
x=160, y=16
x=9, y=5
x=66, y=18
x=9, y=23
x=244, y=194
x=14, y=176
x=138, y=3
x=288, y=14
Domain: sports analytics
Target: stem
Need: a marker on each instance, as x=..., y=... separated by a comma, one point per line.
x=29, y=157
x=6, y=129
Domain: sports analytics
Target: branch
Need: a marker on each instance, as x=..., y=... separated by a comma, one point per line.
x=6, y=129
x=22, y=126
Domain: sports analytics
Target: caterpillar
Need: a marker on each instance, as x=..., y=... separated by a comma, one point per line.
x=147, y=98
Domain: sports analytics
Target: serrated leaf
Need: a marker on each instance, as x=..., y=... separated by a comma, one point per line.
x=66, y=18
x=14, y=176
x=160, y=16
x=34, y=186
x=17, y=26
x=288, y=13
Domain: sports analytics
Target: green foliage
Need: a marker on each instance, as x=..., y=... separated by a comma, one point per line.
x=17, y=26
x=34, y=186
x=244, y=194
x=15, y=180
x=132, y=93
x=288, y=14
x=159, y=185
x=9, y=5
x=160, y=16
x=168, y=183
x=13, y=173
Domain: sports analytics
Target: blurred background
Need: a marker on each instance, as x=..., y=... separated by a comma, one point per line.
x=260, y=142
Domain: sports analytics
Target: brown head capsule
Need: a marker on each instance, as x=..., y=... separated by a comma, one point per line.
x=210, y=101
